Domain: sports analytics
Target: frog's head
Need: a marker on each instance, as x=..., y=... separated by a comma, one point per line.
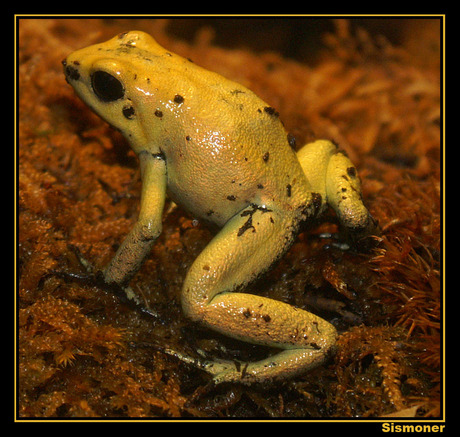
x=105, y=77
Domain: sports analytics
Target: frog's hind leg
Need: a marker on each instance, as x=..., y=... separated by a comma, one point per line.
x=245, y=248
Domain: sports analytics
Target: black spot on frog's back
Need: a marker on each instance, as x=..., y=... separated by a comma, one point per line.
x=178, y=99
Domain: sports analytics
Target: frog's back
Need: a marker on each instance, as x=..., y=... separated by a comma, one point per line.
x=218, y=164
x=229, y=148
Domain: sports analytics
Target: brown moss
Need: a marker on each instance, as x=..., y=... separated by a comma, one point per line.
x=82, y=353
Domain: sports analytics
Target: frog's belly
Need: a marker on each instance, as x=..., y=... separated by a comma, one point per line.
x=216, y=183
x=210, y=200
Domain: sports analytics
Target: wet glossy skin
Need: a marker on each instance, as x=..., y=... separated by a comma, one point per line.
x=222, y=153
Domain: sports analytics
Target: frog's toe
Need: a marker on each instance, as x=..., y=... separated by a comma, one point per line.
x=83, y=278
x=363, y=238
x=87, y=265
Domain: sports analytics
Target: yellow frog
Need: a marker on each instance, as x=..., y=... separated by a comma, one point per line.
x=222, y=153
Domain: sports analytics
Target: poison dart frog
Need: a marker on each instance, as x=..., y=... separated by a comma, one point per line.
x=222, y=153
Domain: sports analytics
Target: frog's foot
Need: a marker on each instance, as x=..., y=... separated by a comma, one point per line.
x=92, y=276
x=214, y=367
x=89, y=276
x=278, y=366
x=237, y=255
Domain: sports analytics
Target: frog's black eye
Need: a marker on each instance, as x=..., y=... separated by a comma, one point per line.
x=107, y=87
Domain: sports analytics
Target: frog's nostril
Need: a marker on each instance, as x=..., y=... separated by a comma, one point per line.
x=71, y=72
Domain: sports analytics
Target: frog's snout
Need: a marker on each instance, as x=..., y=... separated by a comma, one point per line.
x=70, y=71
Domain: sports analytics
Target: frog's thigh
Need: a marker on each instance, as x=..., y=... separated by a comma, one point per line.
x=246, y=247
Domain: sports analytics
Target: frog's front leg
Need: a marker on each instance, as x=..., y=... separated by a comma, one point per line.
x=138, y=242
x=245, y=248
